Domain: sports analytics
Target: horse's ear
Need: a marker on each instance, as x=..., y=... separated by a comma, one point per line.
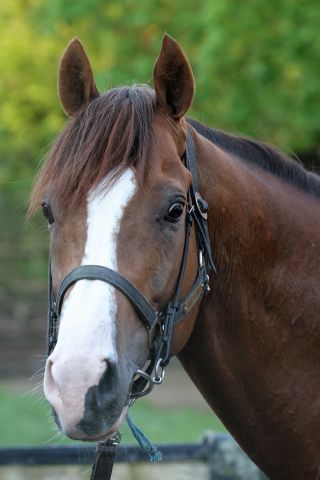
x=173, y=78
x=76, y=84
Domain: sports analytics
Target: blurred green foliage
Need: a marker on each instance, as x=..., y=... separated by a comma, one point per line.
x=35, y=425
x=256, y=66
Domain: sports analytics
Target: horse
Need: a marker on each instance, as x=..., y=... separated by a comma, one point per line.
x=114, y=189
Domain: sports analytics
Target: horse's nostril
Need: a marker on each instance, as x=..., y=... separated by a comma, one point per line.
x=108, y=383
x=49, y=368
x=48, y=378
x=51, y=388
x=84, y=391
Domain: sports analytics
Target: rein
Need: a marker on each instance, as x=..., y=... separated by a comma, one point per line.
x=159, y=325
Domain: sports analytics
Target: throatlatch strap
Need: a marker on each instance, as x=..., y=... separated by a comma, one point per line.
x=191, y=160
x=201, y=220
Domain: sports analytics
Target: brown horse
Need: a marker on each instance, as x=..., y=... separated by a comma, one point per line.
x=114, y=189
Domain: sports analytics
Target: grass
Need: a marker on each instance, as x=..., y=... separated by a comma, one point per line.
x=26, y=420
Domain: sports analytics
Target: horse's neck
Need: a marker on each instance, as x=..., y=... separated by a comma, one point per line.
x=254, y=353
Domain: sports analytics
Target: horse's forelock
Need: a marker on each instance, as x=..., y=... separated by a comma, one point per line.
x=111, y=134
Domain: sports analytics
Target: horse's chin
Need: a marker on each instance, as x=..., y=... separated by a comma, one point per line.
x=77, y=434
x=110, y=432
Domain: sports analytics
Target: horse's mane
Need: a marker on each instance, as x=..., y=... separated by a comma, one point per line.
x=113, y=132
x=266, y=156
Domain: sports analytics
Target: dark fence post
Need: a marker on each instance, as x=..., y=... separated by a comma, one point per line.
x=227, y=461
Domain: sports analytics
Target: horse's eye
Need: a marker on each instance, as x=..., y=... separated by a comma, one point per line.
x=174, y=212
x=47, y=212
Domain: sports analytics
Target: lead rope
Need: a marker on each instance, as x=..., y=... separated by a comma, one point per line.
x=154, y=454
x=106, y=451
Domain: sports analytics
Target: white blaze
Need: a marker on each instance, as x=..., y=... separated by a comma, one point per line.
x=87, y=322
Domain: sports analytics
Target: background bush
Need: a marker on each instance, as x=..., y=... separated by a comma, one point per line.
x=256, y=65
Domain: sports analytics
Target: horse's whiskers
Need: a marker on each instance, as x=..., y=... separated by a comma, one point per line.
x=57, y=435
x=38, y=372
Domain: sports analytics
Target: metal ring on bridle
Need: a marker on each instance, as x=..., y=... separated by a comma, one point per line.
x=200, y=258
x=146, y=390
x=159, y=372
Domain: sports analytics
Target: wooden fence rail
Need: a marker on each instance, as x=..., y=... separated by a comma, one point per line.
x=223, y=458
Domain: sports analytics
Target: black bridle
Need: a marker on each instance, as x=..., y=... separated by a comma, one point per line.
x=159, y=325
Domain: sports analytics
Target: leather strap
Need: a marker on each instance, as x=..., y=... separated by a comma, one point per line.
x=191, y=160
x=97, y=272
x=201, y=215
x=104, y=459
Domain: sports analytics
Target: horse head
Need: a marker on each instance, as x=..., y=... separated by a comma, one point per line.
x=114, y=189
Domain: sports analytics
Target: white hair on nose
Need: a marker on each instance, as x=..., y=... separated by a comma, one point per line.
x=88, y=316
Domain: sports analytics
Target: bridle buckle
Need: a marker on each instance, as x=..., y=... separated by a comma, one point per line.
x=152, y=331
x=148, y=387
x=159, y=372
x=202, y=205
